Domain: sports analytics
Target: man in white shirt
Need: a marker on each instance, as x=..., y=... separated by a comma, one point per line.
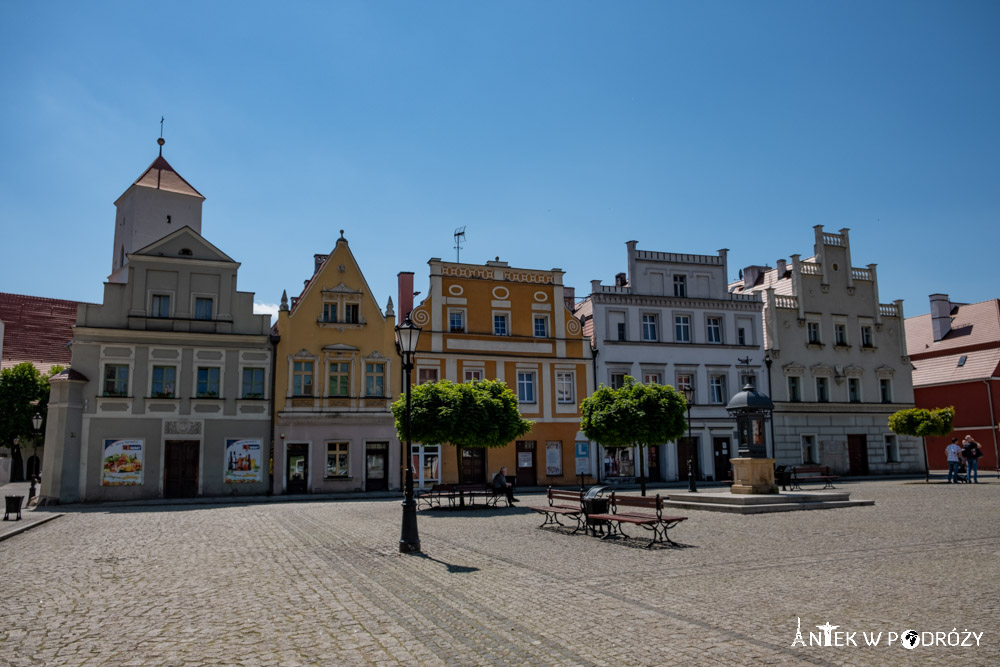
x=954, y=453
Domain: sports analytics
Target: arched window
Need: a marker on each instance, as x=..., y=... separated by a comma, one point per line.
x=121, y=257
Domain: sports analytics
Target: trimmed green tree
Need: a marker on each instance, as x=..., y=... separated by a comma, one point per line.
x=23, y=392
x=470, y=414
x=635, y=414
x=921, y=422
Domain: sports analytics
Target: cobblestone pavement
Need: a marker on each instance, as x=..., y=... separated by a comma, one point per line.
x=322, y=583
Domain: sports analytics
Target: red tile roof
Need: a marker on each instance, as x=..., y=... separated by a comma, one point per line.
x=161, y=175
x=36, y=329
x=972, y=325
x=978, y=365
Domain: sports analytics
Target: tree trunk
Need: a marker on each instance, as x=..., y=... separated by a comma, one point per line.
x=642, y=473
x=927, y=469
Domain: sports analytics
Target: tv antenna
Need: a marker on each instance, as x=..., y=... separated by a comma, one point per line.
x=459, y=239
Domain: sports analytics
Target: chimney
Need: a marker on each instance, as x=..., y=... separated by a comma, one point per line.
x=569, y=297
x=405, y=297
x=782, y=266
x=318, y=262
x=940, y=315
x=621, y=280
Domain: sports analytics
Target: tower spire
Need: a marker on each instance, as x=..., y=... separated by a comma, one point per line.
x=160, y=141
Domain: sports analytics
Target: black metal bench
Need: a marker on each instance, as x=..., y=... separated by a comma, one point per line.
x=812, y=473
x=627, y=509
x=562, y=503
x=460, y=495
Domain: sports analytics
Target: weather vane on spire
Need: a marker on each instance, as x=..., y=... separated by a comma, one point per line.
x=160, y=140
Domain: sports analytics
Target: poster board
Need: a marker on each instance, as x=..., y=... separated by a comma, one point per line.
x=583, y=458
x=243, y=460
x=123, y=461
x=553, y=458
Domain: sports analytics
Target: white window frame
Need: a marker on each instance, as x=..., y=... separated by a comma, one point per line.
x=824, y=395
x=198, y=367
x=326, y=465
x=717, y=327
x=195, y=298
x=544, y=319
x=505, y=318
x=867, y=337
x=312, y=374
x=161, y=294
x=717, y=389
x=474, y=374
x=460, y=313
x=840, y=334
x=329, y=373
x=611, y=379
x=682, y=326
x=680, y=285
x=565, y=387
x=152, y=379
x=527, y=381
x=813, y=333
x=650, y=327
x=652, y=378
x=127, y=365
x=384, y=374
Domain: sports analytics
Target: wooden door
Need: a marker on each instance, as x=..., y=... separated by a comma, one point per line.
x=180, y=468
x=376, y=464
x=653, y=463
x=687, y=448
x=721, y=448
x=296, y=467
x=526, y=459
x=473, y=465
x=857, y=454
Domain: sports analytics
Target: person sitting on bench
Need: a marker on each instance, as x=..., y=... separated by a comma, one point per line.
x=500, y=483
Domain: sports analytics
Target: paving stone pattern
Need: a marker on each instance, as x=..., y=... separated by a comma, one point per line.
x=322, y=583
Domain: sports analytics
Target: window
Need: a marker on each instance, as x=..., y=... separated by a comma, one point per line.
x=682, y=328
x=651, y=378
x=649, y=327
x=621, y=331
x=885, y=389
x=456, y=321
x=500, y=324
x=866, y=337
x=748, y=379
x=374, y=378
x=161, y=305
x=202, y=308
x=680, y=285
x=473, y=374
x=809, y=449
x=617, y=380
x=208, y=382
x=813, y=332
x=526, y=387
x=164, y=382
x=427, y=375
x=891, y=449
x=351, y=313
x=337, y=458
x=302, y=378
x=116, y=380
x=684, y=381
x=340, y=378
x=541, y=326
x=794, y=389
x=854, y=390
x=840, y=334
x=717, y=389
x=714, y=329
x=823, y=390
x=253, y=383
x=565, y=384
x=329, y=312
x=741, y=336
x=962, y=359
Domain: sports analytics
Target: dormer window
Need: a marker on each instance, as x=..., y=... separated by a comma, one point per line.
x=351, y=313
x=329, y=312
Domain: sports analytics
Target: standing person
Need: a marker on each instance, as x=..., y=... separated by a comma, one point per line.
x=954, y=453
x=971, y=452
x=500, y=483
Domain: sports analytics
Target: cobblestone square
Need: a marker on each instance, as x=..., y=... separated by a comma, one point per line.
x=322, y=583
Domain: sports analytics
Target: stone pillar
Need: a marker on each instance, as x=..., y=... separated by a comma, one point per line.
x=752, y=475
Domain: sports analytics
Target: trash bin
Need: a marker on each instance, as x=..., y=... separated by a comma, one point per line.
x=595, y=502
x=12, y=505
x=783, y=476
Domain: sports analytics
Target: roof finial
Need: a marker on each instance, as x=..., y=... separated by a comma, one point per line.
x=160, y=140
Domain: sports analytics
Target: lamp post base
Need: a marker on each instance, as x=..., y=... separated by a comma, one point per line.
x=409, y=540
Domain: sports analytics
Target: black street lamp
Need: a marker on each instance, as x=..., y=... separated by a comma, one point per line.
x=36, y=422
x=407, y=334
x=688, y=390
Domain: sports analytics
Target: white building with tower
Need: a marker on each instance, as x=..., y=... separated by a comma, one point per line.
x=837, y=360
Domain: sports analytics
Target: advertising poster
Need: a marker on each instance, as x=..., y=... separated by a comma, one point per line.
x=122, y=463
x=243, y=461
x=553, y=458
x=583, y=458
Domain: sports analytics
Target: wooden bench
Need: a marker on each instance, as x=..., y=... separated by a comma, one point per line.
x=638, y=511
x=562, y=503
x=433, y=496
x=812, y=473
x=460, y=495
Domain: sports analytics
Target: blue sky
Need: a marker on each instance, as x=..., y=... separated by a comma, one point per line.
x=555, y=131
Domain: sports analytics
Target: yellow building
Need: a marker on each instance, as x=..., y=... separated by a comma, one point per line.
x=336, y=371
x=496, y=322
